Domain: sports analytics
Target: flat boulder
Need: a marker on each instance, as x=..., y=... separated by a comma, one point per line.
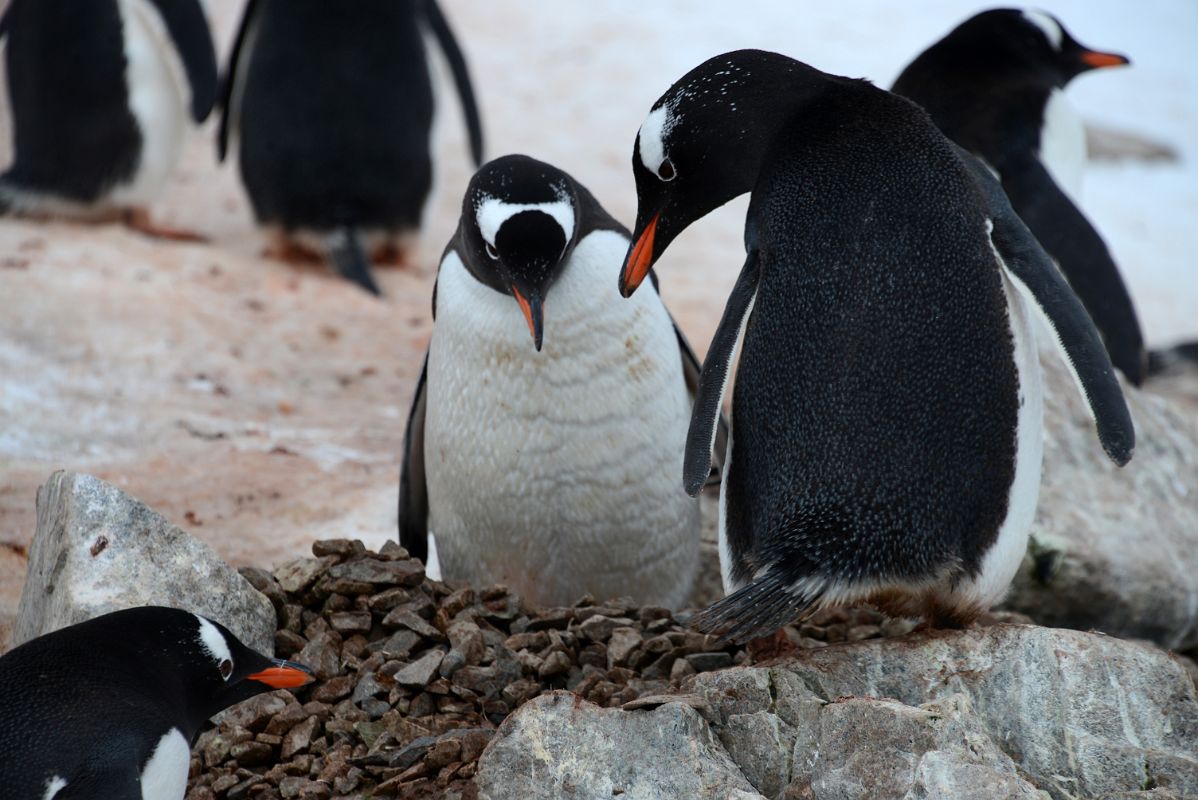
x=96, y=550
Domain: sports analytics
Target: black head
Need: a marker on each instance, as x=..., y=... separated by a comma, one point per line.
x=520, y=222
x=703, y=142
x=1023, y=45
x=184, y=659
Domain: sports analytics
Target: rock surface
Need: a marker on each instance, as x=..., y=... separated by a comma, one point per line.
x=1114, y=549
x=98, y=550
x=1010, y=711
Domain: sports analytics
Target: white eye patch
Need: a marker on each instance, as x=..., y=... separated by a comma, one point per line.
x=1052, y=30
x=654, y=130
x=213, y=642
x=492, y=213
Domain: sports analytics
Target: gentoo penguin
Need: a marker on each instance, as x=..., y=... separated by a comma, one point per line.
x=547, y=429
x=109, y=708
x=994, y=85
x=103, y=95
x=886, y=416
x=332, y=105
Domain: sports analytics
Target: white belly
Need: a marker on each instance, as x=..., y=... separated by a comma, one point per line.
x=560, y=472
x=159, y=97
x=165, y=774
x=1063, y=144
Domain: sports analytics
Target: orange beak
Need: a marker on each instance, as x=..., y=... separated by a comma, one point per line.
x=1096, y=60
x=639, y=260
x=533, y=315
x=285, y=675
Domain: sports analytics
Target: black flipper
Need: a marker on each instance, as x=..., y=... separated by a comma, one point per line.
x=758, y=609
x=713, y=381
x=461, y=78
x=345, y=249
x=230, y=78
x=1031, y=270
x=188, y=28
x=413, y=488
x=1084, y=258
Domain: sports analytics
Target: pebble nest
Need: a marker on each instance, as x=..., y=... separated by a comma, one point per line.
x=414, y=675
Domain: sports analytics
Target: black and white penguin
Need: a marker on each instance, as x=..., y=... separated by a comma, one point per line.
x=103, y=95
x=109, y=708
x=994, y=85
x=547, y=429
x=332, y=105
x=886, y=416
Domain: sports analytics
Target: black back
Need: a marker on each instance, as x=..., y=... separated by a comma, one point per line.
x=90, y=702
x=986, y=85
x=334, y=104
x=73, y=132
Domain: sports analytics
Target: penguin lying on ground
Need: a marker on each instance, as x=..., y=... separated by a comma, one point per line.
x=886, y=418
x=994, y=85
x=333, y=105
x=549, y=464
x=109, y=708
x=103, y=95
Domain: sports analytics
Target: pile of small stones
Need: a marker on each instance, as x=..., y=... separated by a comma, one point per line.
x=414, y=675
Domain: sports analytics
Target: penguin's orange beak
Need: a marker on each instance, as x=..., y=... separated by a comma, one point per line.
x=533, y=314
x=1095, y=59
x=284, y=675
x=640, y=259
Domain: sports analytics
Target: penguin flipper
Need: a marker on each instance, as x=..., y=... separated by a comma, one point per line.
x=757, y=609
x=461, y=78
x=188, y=28
x=229, y=80
x=691, y=370
x=1033, y=273
x=1084, y=258
x=347, y=254
x=413, y=486
x=713, y=380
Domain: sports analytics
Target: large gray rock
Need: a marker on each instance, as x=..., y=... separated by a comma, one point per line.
x=98, y=550
x=559, y=745
x=1010, y=711
x=1114, y=549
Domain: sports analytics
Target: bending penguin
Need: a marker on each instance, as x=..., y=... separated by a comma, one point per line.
x=886, y=418
x=109, y=708
x=98, y=132
x=548, y=425
x=994, y=85
x=332, y=107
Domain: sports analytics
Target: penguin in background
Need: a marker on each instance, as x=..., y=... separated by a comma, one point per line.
x=109, y=708
x=331, y=106
x=104, y=95
x=548, y=424
x=995, y=86
x=886, y=435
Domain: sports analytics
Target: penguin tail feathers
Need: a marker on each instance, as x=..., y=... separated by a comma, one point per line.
x=758, y=609
x=1171, y=359
x=345, y=250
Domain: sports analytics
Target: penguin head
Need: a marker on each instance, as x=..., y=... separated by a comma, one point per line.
x=519, y=226
x=703, y=142
x=1028, y=45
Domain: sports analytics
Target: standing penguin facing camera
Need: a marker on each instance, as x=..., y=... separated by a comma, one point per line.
x=886, y=417
x=104, y=94
x=548, y=425
x=994, y=85
x=332, y=104
x=108, y=709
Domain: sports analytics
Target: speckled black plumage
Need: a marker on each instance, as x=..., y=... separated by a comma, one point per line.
x=90, y=702
x=986, y=85
x=876, y=399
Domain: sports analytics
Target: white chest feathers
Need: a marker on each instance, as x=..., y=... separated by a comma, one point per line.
x=1063, y=144
x=559, y=472
x=165, y=774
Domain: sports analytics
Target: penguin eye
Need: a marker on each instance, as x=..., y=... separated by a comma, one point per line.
x=666, y=170
x=491, y=251
x=226, y=668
